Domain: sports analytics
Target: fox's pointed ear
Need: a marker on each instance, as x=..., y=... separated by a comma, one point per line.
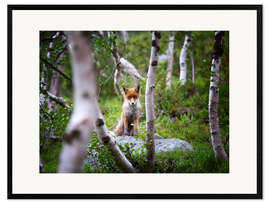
x=125, y=90
x=138, y=88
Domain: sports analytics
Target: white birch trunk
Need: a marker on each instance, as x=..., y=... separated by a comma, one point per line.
x=193, y=66
x=149, y=100
x=86, y=115
x=117, y=76
x=55, y=80
x=170, y=60
x=214, y=98
x=183, y=60
x=124, y=35
x=44, y=81
x=54, y=89
x=81, y=123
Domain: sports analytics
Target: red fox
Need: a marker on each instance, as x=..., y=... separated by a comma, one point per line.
x=128, y=125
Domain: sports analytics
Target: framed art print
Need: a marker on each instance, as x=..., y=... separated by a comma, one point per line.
x=135, y=101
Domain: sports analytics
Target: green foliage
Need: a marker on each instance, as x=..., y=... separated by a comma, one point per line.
x=49, y=156
x=181, y=112
x=106, y=163
x=201, y=160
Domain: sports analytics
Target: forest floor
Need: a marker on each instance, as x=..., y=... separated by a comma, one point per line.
x=201, y=160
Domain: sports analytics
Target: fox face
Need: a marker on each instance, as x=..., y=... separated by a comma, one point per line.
x=132, y=95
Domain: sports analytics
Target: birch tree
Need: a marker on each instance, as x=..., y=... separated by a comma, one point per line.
x=193, y=65
x=183, y=59
x=124, y=35
x=44, y=79
x=55, y=79
x=86, y=116
x=122, y=65
x=214, y=97
x=149, y=100
x=170, y=59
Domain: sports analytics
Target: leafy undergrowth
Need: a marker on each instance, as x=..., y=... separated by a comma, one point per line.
x=184, y=127
x=50, y=156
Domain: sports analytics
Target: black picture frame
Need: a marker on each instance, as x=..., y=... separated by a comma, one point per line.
x=257, y=8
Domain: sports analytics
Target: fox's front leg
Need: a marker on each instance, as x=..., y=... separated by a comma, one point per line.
x=136, y=125
x=119, y=129
x=125, y=125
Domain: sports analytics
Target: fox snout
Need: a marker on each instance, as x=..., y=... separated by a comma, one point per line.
x=133, y=102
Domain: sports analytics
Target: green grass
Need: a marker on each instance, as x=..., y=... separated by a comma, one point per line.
x=50, y=156
x=201, y=160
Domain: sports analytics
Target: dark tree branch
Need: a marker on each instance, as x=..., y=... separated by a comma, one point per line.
x=55, y=69
x=60, y=53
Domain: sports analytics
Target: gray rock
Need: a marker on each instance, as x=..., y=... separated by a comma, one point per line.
x=161, y=145
x=137, y=145
x=170, y=145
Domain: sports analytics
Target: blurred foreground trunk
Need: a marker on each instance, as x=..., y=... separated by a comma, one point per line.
x=149, y=101
x=86, y=116
x=214, y=97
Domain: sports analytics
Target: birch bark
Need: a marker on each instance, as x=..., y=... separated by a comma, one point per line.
x=214, y=98
x=123, y=65
x=81, y=123
x=86, y=115
x=124, y=35
x=149, y=100
x=44, y=79
x=183, y=60
x=170, y=59
x=193, y=66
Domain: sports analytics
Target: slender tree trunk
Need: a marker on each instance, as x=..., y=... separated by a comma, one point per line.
x=86, y=115
x=214, y=97
x=124, y=35
x=193, y=66
x=44, y=79
x=170, y=59
x=149, y=101
x=183, y=60
x=55, y=80
x=54, y=89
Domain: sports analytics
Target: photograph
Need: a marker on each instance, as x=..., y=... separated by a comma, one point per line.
x=134, y=101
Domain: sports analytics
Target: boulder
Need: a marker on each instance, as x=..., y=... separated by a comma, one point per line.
x=137, y=145
x=161, y=145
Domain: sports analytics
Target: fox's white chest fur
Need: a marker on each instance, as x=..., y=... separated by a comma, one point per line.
x=132, y=111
